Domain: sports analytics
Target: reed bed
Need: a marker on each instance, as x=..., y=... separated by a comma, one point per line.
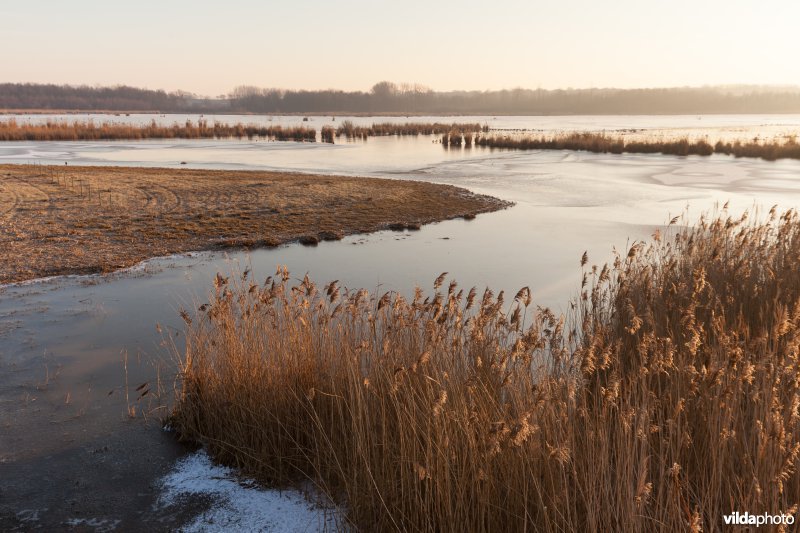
x=668, y=397
x=453, y=139
x=457, y=138
x=327, y=134
x=350, y=130
x=11, y=130
x=770, y=151
x=602, y=143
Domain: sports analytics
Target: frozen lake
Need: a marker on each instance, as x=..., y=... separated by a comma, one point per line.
x=723, y=126
x=61, y=341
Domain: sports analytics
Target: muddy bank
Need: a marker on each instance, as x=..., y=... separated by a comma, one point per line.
x=81, y=220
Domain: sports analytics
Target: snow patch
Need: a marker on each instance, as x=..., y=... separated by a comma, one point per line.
x=239, y=504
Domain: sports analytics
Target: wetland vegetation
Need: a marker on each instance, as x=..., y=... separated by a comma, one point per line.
x=606, y=143
x=666, y=397
x=12, y=130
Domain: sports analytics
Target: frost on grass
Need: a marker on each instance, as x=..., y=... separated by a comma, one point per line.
x=238, y=504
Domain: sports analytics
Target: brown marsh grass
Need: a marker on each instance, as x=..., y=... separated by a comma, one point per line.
x=350, y=130
x=602, y=143
x=11, y=130
x=327, y=134
x=668, y=397
x=457, y=138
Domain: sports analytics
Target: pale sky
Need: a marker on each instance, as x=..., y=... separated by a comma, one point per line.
x=209, y=47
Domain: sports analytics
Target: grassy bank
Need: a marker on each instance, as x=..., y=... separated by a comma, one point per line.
x=602, y=143
x=78, y=220
x=11, y=130
x=666, y=399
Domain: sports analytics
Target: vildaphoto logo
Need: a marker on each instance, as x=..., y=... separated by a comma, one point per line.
x=746, y=519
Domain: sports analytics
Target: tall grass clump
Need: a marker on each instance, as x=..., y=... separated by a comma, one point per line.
x=327, y=134
x=668, y=397
x=11, y=130
x=602, y=143
x=457, y=138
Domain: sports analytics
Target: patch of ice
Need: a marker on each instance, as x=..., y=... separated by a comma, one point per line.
x=239, y=504
x=100, y=526
x=139, y=267
x=29, y=515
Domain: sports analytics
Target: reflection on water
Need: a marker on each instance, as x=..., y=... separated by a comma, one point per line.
x=61, y=342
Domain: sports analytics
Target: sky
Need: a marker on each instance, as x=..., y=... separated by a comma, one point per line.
x=210, y=47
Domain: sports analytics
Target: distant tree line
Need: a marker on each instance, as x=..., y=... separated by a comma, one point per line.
x=73, y=98
x=387, y=97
